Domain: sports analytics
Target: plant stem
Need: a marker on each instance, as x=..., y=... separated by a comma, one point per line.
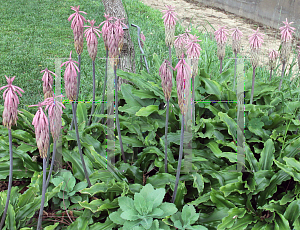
x=166, y=139
x=282, y=75
x=193, y=100
x=221, y=65
x=270, y=74
x=235, y=64
x=9, y=179
x=48, y=153
x=79, y=147
x=170, y=60
x=117, y=114
x=179, y=160
x=94, y=89
x=253, y=80
x=39, y=225
x=52, y=163
x=104, y=86
x=78, y=84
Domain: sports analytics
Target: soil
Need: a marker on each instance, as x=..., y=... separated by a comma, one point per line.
x=4, y=185
x=197, y=13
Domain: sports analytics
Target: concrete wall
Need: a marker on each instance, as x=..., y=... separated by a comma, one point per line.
x=267, y=12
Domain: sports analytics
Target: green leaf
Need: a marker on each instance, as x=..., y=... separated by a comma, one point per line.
x=232, y=157
x=81, y=114
x=242, y=223
x=267, y=155
x=212, y=87
x=288, y=170
x=96, y=188
x=168, y=208
x=107, y=225
x=292, y=163
x=189, y=215
x=116, y=217
x=147, y=222
x=198, y=182
x=82, y=222
x=219, y=200
x=228, y=221
x=293, y=211
x=51, y=227
x=146, y=111
x=230, y=123
x=160, y=180
x=281, y=223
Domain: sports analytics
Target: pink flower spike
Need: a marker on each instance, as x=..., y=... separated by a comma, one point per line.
x=169, y=17
x=78, y=19
x=193, y=48
x=220, y=35
x=41, y=126
x=90, y=33
x=105, y=29
x=286, y=31
x=70, y=78
x=273, y=54
x=256, y=39
x=237, y=34
x=11, y=101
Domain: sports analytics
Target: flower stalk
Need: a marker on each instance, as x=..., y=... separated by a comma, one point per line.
x=286, y=45
x=183, y=90
x=273, y=55
x=77, y=27
x=166, y=83
x=256, y=41
x=170, y=23
x=221, y=38
x=92, y=44
x=70, y=78
x=10, y=117
x=236, y=45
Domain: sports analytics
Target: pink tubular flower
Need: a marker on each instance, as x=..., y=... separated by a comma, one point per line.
x=115, y=40
x=183, y=87
x=77, y=26
x=273, y=55
x=236, y=39
x=48, y=83
x=70, y=78
x=169, y=22
x=166, y=78
x=119, y=27
x=221, y=35
x=256, y=39
x=179, y=45
x=105, y=31
x=286, y=31
x=169, y=17
x=193, y=52
x=55, y=111
x=142, y=36
x=193, y=48
x=78, y=19
x=11, y=101
x=91, y=39
x=41, y=126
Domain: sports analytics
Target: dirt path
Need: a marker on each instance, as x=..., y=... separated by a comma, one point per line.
x=198, y=14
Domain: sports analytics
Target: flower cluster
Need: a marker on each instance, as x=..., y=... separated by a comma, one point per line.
x=256, y=41
x=286, y=37
x=70, y=78
x=166, y=78
x=169, y=22
x=273, y=55
x=11, y=101
x=91, y=38
x=41, y=127
x=236, y=40
x=221, y=38
x=193, y=52
x=77, y=27
x=47, y=83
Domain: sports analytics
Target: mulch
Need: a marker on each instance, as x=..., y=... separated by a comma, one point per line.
x=4, y=185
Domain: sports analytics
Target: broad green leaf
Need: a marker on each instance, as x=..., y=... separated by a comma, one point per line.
x=292, y=163
x=160, y=180
x=242, y=223
x=146, y=111
x=281, y=223
x=81, y=114
x=168, y=208
x=232, y=187
x=267, y=155
x=288, y=170
x=82, y=222
x=147, y=222
x=232, y=157
x=293, y=211
x=230, y=123
x=51, y=227
x=229, y=220
x=219, y=200
x=189, y=215
x=116, y=217
x=198, y=182
x=96, y=188
x=107, y=225
x=212, y=87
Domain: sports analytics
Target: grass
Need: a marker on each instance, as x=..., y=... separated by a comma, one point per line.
x=37, y=30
